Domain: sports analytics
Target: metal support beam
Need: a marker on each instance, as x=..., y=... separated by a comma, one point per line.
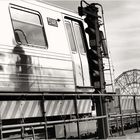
x=103, y=122
x=77, y=117
x=135, y=108
x=22, y=129
x=33, y=132
x=121, y=117
x=1, y=135
x=44, y=115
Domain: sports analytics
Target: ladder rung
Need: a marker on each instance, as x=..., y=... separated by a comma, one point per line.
x=108, y=85
x=106, y=69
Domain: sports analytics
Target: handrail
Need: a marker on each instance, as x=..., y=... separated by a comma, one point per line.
x=61, y=93
x=52, y=122
x=121, y=115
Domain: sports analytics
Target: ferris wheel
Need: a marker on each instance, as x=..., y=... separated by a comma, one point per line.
x=129, y=82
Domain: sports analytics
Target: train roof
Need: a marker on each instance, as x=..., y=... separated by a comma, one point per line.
x=51, y=6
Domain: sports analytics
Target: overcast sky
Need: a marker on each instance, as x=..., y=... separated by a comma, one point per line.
x=122, y=19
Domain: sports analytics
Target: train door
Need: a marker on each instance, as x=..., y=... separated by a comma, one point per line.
x=77, y=45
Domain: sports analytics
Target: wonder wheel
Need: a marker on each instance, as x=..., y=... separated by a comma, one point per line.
x=129, y=82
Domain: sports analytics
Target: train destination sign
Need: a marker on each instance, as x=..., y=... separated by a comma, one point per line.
x=52, y=22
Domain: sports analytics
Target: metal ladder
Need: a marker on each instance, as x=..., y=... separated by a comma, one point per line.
x=107, y=61
x=109, y=74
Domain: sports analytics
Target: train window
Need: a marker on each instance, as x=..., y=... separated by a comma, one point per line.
x=79, y=37
x=28, y=27
x=70, y=35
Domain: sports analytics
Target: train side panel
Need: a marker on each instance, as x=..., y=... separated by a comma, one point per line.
x=30, y=63
x=34, y=67
x=32, y=108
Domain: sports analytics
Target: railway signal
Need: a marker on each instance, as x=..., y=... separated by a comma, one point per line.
x=95, y=52
x=95, y=59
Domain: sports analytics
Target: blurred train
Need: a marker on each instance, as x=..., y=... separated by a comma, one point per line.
x=43, y=49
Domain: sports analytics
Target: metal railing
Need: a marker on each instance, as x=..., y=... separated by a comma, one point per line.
x=118, y=117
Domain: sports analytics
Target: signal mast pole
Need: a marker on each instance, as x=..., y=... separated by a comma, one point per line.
x=95, y=59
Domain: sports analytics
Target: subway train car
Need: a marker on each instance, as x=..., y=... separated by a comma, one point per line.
x=43, y=50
